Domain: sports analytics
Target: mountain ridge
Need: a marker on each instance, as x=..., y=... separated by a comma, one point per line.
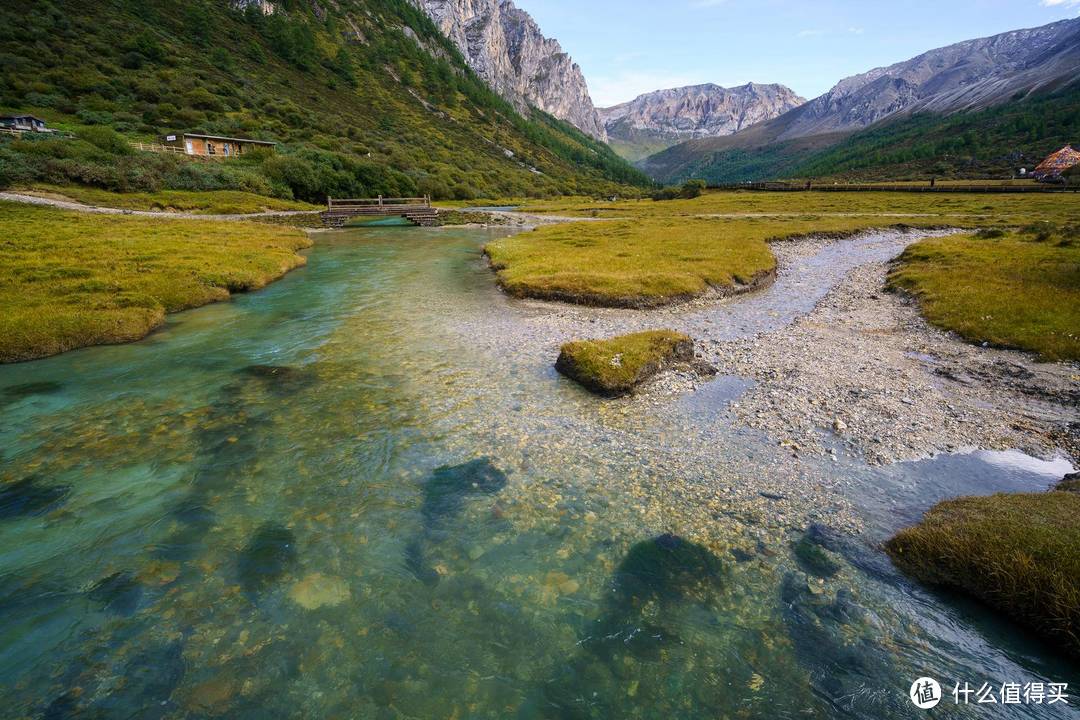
x=968, y=76
x=507, y=49
x=668, y=116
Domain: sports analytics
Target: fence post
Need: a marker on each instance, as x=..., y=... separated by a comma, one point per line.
x=380, y=201
x=329, y=203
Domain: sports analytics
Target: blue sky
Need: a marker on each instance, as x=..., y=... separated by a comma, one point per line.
x=627, y=47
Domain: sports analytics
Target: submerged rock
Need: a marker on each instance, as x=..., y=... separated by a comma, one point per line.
x=317, y=590
x=30, y=496
x=118, y=593
x=266, y=557
x=446, y=489
x=14, y=393
x=417, y=564
x=812, y=556
x=666, y=569
x=618, y=365
x=281, y=379
x=445, y=493
x=658, y=581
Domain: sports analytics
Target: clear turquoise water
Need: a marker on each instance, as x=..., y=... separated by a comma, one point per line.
x=364, y=493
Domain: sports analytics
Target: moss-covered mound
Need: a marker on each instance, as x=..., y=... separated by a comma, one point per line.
x=1018, y=553
x=616, y=366
x=641, y=263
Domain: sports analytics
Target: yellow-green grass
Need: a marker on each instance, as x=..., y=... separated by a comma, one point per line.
x=955, y=210
x=203, y=202
x=632, y=264
x=1018, y=553
x=1019, y=290
x=72, y=279
x=617, y=365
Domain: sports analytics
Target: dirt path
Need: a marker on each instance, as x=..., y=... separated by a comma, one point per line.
x=80, y=207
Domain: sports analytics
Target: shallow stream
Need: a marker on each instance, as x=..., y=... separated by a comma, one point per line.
x=364, y=492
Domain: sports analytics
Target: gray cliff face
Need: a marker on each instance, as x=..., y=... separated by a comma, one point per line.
x=698, y=111
x=504, y=46
x=969, y=75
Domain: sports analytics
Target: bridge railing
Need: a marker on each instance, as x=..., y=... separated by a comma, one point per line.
x=356, y=203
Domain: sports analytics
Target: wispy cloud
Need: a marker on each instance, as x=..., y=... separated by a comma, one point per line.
x=1060, y=3
x=608, y=90
x=708, y=3
x=810, y=33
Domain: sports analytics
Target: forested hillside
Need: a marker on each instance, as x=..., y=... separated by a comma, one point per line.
x=364, y=96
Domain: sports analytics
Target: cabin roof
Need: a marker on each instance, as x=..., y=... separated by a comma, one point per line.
x=21, y=117
x=228, y=139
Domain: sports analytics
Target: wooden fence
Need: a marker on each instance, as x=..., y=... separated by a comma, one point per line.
x=927, y=188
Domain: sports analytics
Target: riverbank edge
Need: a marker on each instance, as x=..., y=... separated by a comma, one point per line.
x=711, y=293
x=158, y=319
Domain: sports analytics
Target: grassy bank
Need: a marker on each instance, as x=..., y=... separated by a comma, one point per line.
x=72, y=279
x=1016, y=289
x=1018, y=553
x=617, y=365
x=205, y=202
x=1019, y=288
x=625, y=264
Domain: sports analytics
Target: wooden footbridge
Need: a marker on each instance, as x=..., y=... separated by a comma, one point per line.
x=416, y=210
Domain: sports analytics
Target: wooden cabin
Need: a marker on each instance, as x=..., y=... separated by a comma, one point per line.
x=215, y=146
x=23, y=123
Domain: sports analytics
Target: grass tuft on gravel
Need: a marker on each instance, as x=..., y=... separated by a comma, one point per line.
x=1018, y=553
x=1015, y=289
x=617, y=365
x=71, y=279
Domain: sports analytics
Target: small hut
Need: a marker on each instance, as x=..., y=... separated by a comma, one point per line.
x=23, y=123
x=1052, y=168
x=215, y=146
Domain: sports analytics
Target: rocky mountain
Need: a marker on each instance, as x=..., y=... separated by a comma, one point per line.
x=505, y=47
x=663, y=118
x=966, y=76
x=975, y=75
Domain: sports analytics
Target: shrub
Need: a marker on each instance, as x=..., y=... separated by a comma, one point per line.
x=107, y=139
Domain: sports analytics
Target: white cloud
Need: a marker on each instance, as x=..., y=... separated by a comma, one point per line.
x=1060, y=3
x=810, y=33
x=608, y=90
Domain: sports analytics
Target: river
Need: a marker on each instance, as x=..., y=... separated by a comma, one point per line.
x=364, y=492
